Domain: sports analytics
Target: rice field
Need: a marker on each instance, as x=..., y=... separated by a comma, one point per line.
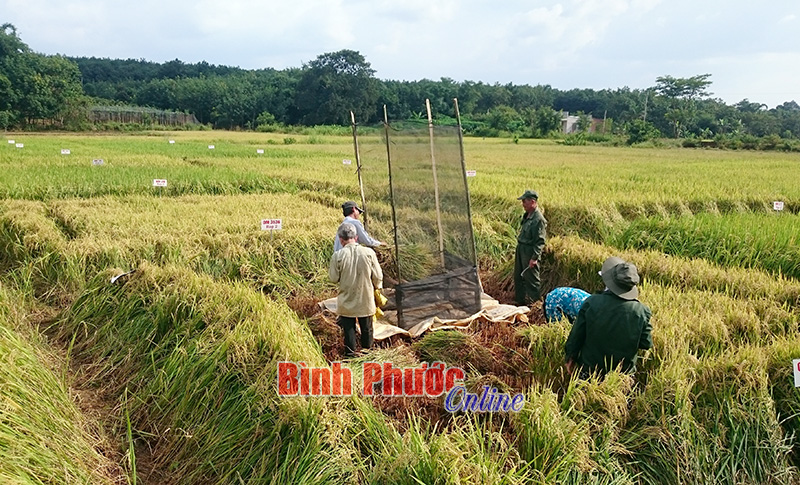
x=182, y=353
x=768, y=242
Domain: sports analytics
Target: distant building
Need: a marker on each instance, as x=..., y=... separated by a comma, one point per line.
x=569, y=124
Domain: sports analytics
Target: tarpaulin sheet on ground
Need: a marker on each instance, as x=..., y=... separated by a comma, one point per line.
x=491, y=310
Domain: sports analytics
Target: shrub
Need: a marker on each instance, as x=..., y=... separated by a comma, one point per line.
x=640, y=131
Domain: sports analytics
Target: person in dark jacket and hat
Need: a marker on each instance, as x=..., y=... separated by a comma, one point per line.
x=352, y=212
x=611, y=326
x=530, y=243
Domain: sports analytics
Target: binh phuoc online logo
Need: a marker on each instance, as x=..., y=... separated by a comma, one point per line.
x=434, y=380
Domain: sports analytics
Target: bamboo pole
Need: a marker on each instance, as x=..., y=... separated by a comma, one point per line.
x=358, y=169
x=466, y=185
x=391, y=197
x=473, y=247
x=435, y=184
x=398, y=287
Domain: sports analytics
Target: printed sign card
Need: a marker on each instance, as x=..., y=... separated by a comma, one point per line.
x=271, y=224
x=796, y=367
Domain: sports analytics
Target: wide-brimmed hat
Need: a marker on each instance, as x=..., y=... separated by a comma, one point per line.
x=621, y=277
x=351, y=205
x=529, y=194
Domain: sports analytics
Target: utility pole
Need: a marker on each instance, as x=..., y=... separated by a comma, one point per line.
x=646, y=95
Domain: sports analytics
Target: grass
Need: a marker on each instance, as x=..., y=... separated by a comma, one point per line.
x=43, y=436
x=576, y=262
x=216, y=235
x=197, y=361
x=734, y=240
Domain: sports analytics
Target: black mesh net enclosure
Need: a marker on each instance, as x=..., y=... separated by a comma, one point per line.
x=435, y=262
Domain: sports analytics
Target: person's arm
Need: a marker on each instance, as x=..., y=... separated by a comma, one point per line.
x=577, y=337
x=539, y=241
x=363, y=238
x=377, y=273
x=646, y=338
x=333, y=270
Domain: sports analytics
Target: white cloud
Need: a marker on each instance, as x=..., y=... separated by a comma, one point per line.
x=560, y=33
x=566, y=43
x=768, y=78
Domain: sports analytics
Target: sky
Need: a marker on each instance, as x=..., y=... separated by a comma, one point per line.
x=750, y=48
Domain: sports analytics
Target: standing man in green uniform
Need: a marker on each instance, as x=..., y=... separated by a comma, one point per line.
x=530, y=243
x=611, y=326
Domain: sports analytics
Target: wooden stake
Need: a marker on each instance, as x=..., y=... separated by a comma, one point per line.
x=435, y=184
x=391, y=197
x=466, y=185
x=469, y=205
x=358, y=168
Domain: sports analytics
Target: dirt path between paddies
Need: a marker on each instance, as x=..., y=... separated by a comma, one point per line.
x=98, y=406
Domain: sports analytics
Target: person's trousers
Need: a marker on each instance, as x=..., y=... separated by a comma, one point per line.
x=348, y=324
x=526, y=280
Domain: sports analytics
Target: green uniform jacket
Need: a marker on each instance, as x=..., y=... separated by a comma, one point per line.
x=530, y=243
x=532, y=235
x=608, y=332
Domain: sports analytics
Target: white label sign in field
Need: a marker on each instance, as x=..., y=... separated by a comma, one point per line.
x=347, y=162
x=11, y=141
x=260, y=151
x=271, y=224
x=172, y=142
x=796, y=368
x=19, y=145
x=65, y=151
x=97, y=161
x=159, y=182
x=472, y=173
x=777, y=205
x=210, y=147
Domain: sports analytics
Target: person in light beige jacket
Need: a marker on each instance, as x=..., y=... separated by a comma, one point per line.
x=358, y=273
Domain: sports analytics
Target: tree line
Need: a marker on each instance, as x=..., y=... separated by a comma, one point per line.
x=37, y=89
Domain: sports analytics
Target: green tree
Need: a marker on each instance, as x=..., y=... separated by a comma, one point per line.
x=690, y=89
x=789, y=115
x=544, y=121
x=584, y=122
x=36, y=87
x=334, y=84
x=640, y=131
x=11, y=51
x=200, y=96
x=682, y=95
x=505, y=118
